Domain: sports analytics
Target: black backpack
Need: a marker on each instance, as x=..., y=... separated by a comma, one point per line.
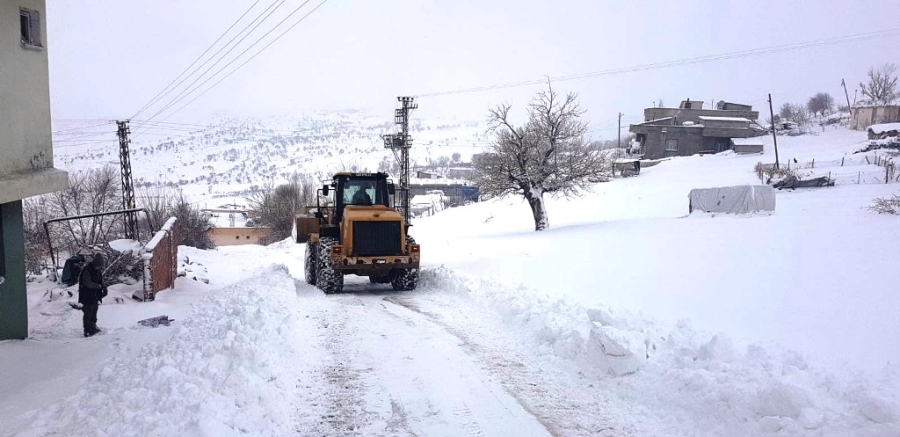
x=72, y=269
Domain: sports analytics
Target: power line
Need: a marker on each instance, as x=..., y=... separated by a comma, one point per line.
x=91, y=135
x=252, y=57
x=87, y=143
x=680, y=62
x=166, y=90
x=156, y=123
x=188, y=90
x=80, y=128
x=275, y=3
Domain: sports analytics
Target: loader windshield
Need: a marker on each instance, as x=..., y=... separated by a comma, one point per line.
x=364, y=191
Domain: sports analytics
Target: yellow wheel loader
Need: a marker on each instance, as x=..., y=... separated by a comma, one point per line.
x=358, y=231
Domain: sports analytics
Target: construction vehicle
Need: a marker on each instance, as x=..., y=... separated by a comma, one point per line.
x=358, y=231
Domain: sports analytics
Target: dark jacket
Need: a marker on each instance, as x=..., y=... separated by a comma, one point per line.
x=90, y=285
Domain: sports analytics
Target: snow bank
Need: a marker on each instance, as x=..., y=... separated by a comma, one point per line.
x=884, y=127
x=227, y=370
x=674, y=375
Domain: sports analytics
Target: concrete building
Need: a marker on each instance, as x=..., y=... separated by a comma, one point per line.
x=864, y=116
x=240, y=236
x=690, y=129
x=26, y=149
x=232, y=227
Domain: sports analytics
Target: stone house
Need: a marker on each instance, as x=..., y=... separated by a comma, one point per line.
x=690, y=129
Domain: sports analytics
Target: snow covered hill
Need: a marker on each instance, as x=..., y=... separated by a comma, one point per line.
x=224, y=160
x=627, y=317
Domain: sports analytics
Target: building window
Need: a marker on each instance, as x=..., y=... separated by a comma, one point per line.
x=30, y=27
x=671, y=145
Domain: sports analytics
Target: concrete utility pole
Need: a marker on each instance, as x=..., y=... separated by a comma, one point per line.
x=402, y=142
x=620, y=130
x=774, y=138
x=127, y=183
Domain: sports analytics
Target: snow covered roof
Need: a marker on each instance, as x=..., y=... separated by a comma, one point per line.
x=747, y=141
x=885, y=127
x=657, y=120
x=222, y=219
x=423, y=199
x=708, y=118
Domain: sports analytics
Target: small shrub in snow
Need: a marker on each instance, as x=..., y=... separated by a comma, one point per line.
x=883, y=205
x=191, y=225
x=768, y=173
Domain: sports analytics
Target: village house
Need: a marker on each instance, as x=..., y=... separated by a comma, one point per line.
x=26, y=166
x=864, y=116
x=690, y=129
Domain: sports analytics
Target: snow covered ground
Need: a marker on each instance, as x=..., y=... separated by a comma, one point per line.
x=627, y=317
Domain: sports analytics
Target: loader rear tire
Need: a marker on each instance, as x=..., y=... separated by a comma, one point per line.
x=328, y=279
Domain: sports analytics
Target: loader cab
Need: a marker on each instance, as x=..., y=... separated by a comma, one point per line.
x=360, y=189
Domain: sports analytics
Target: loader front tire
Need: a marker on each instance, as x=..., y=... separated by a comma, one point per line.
x=405, y=279
x=328, y=279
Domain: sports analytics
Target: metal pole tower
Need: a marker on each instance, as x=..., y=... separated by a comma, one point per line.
x=127, y=183
x=402, y=142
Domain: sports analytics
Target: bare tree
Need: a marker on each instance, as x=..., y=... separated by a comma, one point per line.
x=443, y=165
x=35, y=211
x=276, y=207
x=820, y=104
x=159, y=203
x=795, y=113
x=89, y=192
x=191, y=225
x=882, y=86
x=548, y=154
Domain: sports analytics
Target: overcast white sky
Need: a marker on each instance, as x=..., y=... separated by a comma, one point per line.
x=109, y=57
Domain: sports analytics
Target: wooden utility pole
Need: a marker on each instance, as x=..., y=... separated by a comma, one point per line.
x=774, y=137
x=844, y=84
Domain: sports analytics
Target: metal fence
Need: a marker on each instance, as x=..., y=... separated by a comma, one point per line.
x=160, y=261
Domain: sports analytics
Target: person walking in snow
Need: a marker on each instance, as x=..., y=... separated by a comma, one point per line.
x=90, y=292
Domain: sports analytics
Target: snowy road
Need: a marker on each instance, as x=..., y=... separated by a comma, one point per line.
x=385, y=369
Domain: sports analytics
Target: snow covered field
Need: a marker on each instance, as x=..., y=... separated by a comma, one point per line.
x=625, y=318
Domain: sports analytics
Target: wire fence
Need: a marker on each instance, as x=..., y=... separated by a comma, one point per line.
x=878, y=160
x=869, y=170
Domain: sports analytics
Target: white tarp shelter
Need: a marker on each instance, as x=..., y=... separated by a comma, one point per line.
x=740, y=199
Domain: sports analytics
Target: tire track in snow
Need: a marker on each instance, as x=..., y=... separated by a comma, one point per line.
x=571, y=410
x=391, y=372
x=342, y=404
